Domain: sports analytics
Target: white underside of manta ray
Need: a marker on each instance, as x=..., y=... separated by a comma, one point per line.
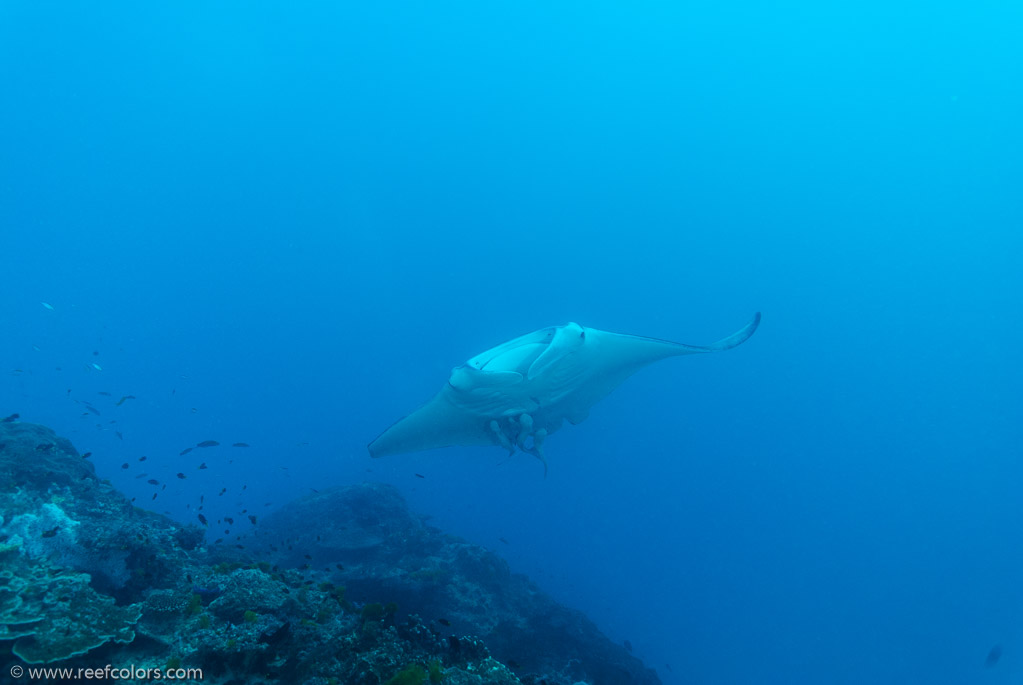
x=518, y=393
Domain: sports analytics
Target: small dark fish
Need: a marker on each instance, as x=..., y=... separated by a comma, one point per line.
x=628, y=646
x=201, y=498
x=240, y=546
x=153, y=481
x=339, y=567
x=230, y=521
x=124, y=465
x=222, y=492
x=11, y=418
x=511, y=663
x=132, y=499
x=184, y=451
x=124, y=399
x=51, y=533
x=419, y=475
x=86, y=455
x=164, y=487
x=154, y=495
x=202, y=520
x=307, y=557
x=101, y=392
x=240, y=444
x=182, y=476
x=141, y=475
x=992, y=657
x=119, y=436
x=227, y=531
x=142, y=458
x=93, y=409
x=218, y=541
x=443, y=621
x=504, y=541
x=202, y=466
x=244, y=487
x=208, y=443
x=252, y=518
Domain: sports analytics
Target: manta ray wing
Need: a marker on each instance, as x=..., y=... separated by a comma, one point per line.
x=608, y=359
x=438, y=423
x=524, y=389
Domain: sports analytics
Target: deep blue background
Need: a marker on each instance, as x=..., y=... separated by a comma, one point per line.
x=284, y=223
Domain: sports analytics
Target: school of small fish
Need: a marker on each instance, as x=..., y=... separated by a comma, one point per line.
x=90, y=410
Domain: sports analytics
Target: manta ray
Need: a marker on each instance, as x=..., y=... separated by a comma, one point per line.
x=518, y=393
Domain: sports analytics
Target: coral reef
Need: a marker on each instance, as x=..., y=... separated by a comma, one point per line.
x=49, y=494
x=53, y=614
x=379, y=549
x=88, y=579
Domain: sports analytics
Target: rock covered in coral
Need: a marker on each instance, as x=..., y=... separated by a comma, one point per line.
x=377, y=549
x=54, y=508
x=87, y=579
x=76, y=555
x=53, y=614
x=33, y=456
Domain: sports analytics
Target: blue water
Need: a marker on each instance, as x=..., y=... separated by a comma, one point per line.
x=283, y=224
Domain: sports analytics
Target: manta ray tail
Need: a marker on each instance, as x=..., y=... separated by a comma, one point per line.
x=734, y=340
x=737, y=338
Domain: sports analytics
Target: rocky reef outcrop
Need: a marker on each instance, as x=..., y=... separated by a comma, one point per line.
x=379, y=549
x=368, y=595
